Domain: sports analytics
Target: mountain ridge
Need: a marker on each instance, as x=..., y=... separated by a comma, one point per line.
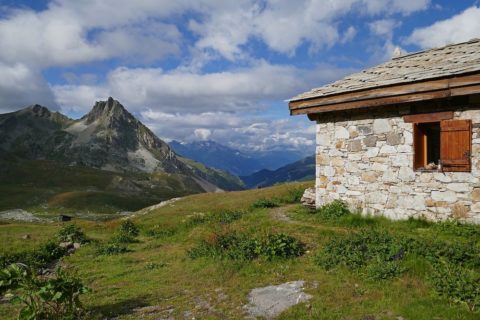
x=108, y=138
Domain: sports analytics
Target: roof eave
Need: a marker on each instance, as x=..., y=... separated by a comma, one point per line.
x=395, y=94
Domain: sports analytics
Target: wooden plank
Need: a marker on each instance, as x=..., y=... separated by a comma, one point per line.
x=373, y=93
x=428, y=117
x=456, y=145
x=373, y=102
x=462, y=85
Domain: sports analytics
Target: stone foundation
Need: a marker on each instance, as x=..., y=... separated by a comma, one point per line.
x=368, y=162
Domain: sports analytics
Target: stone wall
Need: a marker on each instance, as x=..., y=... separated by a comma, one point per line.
x=368, y=162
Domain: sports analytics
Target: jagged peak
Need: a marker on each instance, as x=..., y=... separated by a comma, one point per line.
x=106, y=110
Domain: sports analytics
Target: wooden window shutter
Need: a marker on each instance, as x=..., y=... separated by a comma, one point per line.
x=456, y=145
x=419, y=147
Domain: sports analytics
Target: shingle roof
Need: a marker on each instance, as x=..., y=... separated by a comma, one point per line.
x=431, y=64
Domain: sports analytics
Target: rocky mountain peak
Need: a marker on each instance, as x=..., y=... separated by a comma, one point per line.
x=106, y=111
x=38, y=110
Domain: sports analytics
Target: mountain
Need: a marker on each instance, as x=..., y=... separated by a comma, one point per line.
x=107, y=138
x=298, y=171
x=234, y=161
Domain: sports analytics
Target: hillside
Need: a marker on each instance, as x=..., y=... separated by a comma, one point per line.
x=239, y=163
x=107, y=138
x=173, y=269
x=105, y=162
x=302, y=170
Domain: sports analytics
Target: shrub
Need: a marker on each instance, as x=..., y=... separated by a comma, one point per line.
x=111, y=248
x=43, y=298
x=294, y=195
x=264, y=203
x=121, y=237
x=333, y=210
x=383, y=270
x=71, y=233
x=359, y=249
x=36, y=258
x=128, y=228
x=456, y=283
x=242, y=247
x=456, y=228
x=281, y=245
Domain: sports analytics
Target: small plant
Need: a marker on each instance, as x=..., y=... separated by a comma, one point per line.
x=36, y=258
x=294, y=195
x=128, y=228
x=456, y=283
x=71, y=233
x=43, y=298
x=384, y=270
x=281, y=245
x=359, y=249
x=264, y=203
x=111, y=248
x=242, y=247
x=121, y=237
x=333, y=211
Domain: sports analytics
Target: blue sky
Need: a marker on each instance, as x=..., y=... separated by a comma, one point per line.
x=209, y=69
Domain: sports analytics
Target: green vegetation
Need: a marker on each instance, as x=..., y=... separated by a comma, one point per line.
x=244, y=247
x=47, y=188
x=43, y=298
x=203, y=254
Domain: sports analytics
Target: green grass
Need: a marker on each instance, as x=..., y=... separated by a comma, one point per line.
x=158, y=273
x=48, y=188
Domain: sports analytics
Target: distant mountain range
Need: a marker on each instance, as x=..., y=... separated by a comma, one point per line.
x=297, y=171
x=234, y=161
x=108, y=138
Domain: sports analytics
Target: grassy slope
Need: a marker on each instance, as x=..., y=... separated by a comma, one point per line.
x=50, y=187
x=213, y=289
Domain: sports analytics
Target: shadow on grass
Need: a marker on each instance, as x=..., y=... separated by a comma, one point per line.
x=123, y=307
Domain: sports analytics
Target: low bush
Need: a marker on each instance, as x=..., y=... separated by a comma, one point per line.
x=456, y=228
x=359, y=249
x=332, y=211
x=71, y=233
x=281, y=245
x=242, y=247
x=128, y=228
x=43, y=298
x=121, y=237
x=111, y=248
x=294, y=195
x=456, y=283
x=36, y=258
x=383, y=270
x=264, y=203
x=158, y=233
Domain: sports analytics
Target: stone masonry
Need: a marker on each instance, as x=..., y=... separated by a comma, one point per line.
x=367, y=161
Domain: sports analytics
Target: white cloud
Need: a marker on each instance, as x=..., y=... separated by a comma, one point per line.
x=202, y=133
x=242, y=89
x=461, y=27
x=384, y=27
x=21, y=86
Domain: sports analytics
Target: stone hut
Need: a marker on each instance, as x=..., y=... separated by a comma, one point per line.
x=402, y=139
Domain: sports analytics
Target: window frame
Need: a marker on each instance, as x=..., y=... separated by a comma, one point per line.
x=438, y=117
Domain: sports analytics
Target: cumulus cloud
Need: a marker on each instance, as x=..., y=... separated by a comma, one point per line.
x=182, y=98
x=21, y=86
x=461, y=27
x=241, y=89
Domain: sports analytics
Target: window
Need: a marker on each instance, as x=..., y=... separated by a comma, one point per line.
x=442, y=145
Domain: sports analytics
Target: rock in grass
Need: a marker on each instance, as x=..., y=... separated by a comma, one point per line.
x=270, y=301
